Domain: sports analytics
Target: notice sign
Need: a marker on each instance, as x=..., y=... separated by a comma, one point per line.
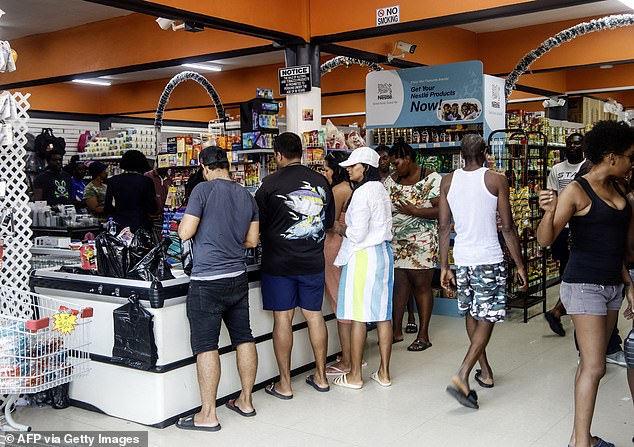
x=388, y=16
x=294, y=80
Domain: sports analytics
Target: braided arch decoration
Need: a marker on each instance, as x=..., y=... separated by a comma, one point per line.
x=178, y=79
x=343, y=60
x=604, y=23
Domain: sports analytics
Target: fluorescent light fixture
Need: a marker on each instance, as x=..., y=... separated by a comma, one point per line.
x=203, y=67
x=1, y=12
x=628, y=3
x=601, y=90
x=92, y=82
x=535, y=99
x=606, y=66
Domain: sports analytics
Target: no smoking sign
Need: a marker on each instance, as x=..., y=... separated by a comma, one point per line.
x=388, y=16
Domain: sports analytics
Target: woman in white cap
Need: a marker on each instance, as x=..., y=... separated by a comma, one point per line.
x=365, y=288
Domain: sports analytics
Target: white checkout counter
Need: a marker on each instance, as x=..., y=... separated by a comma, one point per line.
x=160, y=396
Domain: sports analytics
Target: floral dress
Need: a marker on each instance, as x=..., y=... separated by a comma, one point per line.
x=415, y=242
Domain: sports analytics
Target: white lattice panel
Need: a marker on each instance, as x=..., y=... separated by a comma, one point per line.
x=17, y=236
x=17, y=240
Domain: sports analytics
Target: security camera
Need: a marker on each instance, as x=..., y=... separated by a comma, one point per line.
x=166, y=24
x=554, y=102
x=406, y=47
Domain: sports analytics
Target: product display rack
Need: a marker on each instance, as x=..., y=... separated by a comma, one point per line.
x=522, y=156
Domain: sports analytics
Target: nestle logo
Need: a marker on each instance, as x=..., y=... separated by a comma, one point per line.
x=384, y=91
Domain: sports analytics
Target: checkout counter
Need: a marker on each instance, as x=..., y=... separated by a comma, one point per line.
x=160, y=396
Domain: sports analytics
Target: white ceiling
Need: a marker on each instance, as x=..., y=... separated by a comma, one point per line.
x=607, y=7
x=27, y=17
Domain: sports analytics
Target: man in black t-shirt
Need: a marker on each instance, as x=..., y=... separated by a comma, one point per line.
x=296, y=209
x=53, y=185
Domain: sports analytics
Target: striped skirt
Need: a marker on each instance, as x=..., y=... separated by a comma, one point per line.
x=365, y=287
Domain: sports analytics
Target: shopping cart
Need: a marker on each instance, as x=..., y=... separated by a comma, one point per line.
x=43, y=343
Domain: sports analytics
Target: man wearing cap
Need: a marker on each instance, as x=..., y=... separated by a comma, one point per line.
x=296, y=209
x=219, y=287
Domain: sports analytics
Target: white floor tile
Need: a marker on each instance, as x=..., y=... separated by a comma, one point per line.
x=530, y=405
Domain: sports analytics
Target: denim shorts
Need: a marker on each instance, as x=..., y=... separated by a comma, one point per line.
x=280, y=293
x=590, y=299
x=211, y=302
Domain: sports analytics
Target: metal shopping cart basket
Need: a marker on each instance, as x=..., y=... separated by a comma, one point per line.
x=43, y=343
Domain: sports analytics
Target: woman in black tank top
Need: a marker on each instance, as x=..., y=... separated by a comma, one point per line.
x=599, y=214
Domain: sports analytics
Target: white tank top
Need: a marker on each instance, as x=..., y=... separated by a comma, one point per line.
x=474, y=211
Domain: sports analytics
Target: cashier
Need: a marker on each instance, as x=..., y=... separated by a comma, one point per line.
x=95, y=191
x=130, y=196
x=53, y=185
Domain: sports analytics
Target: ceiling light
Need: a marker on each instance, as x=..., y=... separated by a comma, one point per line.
x=628, y=3
x=606, y=66
x=92, y=82
x=1, y=12
x=203, y=67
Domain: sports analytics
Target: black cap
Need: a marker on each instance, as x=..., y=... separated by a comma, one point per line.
x=213, y=154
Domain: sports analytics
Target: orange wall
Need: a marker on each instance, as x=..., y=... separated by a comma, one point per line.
x=619, y=76
x=288, y=16
x=330, y=16
x=501, y=51
x=118, y=42
x=436, y=46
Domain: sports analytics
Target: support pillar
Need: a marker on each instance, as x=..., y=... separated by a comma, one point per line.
x=301, y=107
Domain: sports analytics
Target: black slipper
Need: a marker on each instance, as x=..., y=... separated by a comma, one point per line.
x=270, y=389
x=311, y=381
x=231, y=404
x=470, y=400
x=411, y=328
x=419, y=345
x=479, y=380
x=555, y=324
x=187, y=423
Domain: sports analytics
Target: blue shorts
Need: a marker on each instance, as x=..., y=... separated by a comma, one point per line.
x=288, y=292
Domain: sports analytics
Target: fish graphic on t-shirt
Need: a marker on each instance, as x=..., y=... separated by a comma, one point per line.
x=307, y=206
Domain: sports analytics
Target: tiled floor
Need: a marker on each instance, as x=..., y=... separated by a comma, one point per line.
x=530, y=405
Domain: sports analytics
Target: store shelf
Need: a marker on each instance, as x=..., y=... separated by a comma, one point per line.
x=447, y=144
x=253, y=151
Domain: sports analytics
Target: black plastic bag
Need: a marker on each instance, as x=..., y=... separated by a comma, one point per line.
x=58, y=396
x=153, y=266
x=134, y=336
x=140, y=245
x=187, y=248
x=111, y=256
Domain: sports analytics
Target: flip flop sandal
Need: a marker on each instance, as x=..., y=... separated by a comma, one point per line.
x=601, y=442
x=270, y=389
x=470, y=400
x=187, y=423
x=335, y=371
x=411, y=328
x=419, y=345
x=342, y=381
x=231, y=404
x=375, y=376
x=479, y=380
x=311, y=381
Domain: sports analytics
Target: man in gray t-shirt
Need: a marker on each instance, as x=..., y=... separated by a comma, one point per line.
x=222, y=219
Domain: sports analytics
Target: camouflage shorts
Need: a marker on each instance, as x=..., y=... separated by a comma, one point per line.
x=482, y=291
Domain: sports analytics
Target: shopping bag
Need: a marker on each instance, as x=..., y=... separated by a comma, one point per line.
x=153, y=266
x=111, y=256
x=140, y=245
x=134, y=336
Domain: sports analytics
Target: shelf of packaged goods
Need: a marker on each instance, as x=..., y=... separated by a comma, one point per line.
x=439, y=145
x=253, y=151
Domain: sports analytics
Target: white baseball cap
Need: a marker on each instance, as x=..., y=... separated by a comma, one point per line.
x=363, y=155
